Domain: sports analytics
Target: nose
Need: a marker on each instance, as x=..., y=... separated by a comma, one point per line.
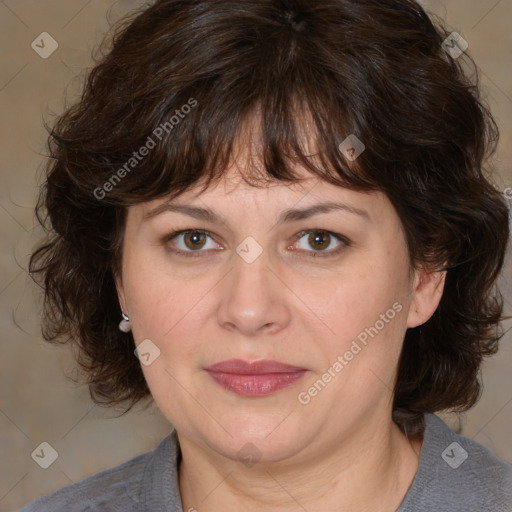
x=254, y=300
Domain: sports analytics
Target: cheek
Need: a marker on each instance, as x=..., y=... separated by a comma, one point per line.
x=367, y=317
x=356, y=298
x=153, y=294
x=169, y=309
x=366, y=312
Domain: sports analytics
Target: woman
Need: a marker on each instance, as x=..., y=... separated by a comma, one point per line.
x=271, y=217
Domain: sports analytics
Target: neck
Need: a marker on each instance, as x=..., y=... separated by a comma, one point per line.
x=370, y=471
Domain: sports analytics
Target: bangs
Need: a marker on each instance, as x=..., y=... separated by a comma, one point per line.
x=279, y=132
x=263, y=82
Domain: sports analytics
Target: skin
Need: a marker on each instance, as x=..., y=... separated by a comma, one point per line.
x=339, y=452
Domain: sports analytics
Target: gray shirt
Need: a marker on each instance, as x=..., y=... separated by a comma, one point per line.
x=455, y=474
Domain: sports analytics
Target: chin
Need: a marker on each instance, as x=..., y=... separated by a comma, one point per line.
x=252, y=441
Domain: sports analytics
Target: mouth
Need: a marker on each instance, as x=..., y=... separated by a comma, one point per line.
x=259, y=378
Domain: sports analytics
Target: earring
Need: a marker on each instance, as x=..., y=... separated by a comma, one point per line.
x=124, y=324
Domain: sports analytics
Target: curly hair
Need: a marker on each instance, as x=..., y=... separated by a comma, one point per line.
x=180, y=77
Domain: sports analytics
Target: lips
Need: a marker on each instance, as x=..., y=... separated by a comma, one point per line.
x=241, y=367
x=254, y=379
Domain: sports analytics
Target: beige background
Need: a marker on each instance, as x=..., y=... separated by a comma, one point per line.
x=37, y=403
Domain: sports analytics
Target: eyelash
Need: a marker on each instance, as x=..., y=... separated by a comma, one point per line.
x=315, y=254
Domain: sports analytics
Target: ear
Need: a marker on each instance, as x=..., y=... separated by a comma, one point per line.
x=427, y=292
x=120, y=292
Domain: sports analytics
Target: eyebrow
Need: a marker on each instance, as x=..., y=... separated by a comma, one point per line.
x=287, y=216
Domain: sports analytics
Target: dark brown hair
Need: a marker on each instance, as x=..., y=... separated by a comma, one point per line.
x=374, y=69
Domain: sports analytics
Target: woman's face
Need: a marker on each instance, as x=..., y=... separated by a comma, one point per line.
x=256, y=288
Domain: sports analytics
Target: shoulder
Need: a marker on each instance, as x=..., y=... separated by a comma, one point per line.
x=121, y=488
x=457, y=473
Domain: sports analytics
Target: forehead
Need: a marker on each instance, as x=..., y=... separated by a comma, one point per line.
x=231, y=196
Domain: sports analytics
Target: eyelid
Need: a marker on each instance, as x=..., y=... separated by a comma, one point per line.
x=345, y=242
x=175, y=234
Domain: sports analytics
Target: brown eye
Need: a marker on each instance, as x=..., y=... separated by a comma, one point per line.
x=319, y=239
x=191, y=242
x=194, y=239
